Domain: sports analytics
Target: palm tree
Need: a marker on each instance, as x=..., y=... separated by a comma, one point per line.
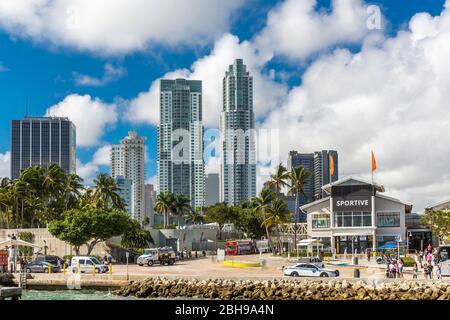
x=298, y=177
x=279, y=178
x=54, y=182
x=278, y=213
x=181, y=205
x=164, y=203
x=5, y=203
x=193, y=216
x=72, y=191
x=263, y=202
x=106, y=193
x=19, y=192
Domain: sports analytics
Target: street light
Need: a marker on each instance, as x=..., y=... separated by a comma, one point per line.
x=353, y=249
x=398, y=246
x=408, y=236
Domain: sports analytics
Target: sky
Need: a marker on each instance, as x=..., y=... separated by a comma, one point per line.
x=347, y=75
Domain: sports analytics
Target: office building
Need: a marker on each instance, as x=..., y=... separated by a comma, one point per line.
x=237, y=123
x=41, y=141
x=180, y=140
x=322, y=171
x=306, y=160
x=128, y=161
x=212, y=189
x=150, y=202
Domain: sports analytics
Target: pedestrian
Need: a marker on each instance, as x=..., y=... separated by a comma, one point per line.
x=438, y=272
x=400, y=268
x=415, y=270
x=429, y=258
x=368, y=255
x=419, y=258
x=430, y=248
x=392, y=270
x=430, y=271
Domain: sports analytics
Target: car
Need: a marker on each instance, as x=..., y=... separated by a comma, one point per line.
x=87, y=264
x=309, y=270
x=318, y=262
x=51, y=259
x=41, y=267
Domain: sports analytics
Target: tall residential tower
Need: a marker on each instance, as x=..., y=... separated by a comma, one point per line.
x=181, y=168
x=237, y=122
x=128, y=162
x=41, y=141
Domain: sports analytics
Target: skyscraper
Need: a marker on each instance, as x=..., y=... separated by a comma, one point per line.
x=41, y=141
x=322, y=172
x=150, y=202
x=237, y=122
x=305, y=160
x=181, y=168
x=125, y=192
x=212, y=187
x=128, y=161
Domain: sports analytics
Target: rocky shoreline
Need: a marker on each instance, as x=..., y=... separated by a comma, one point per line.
x=287, y=289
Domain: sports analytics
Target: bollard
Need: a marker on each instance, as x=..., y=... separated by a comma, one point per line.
x=93, y=269
x=49, y=268
x=64, y=268
x=79, y=269
x=356, y=273
x=110, y=268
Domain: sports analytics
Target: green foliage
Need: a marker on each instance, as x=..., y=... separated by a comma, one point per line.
x=408, y=261
x=439, y=222
x=135, y=237
x=26, y=236
x=250, y=222
x=167, y=226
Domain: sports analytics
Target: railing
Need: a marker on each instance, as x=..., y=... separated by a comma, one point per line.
x=291, y=228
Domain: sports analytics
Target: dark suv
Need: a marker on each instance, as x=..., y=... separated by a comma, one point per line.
x=50, y=259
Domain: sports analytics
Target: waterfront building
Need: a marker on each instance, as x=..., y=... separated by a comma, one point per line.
x=128, y=161
x=237, y=123
x=42, y=141
x=356, y=215
x=212, y=189
x=150, y=202
x=180, y=140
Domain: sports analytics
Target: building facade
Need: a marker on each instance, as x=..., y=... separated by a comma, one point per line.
x=322, y=172
x=212, y=189
x=355, y=215
x=128, y=161
x=306, y=160
x=237, y=123
x=125, y=192
x=42, y=141
x=181, y=167
x=150, y=202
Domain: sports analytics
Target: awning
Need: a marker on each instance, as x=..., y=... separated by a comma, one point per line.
x=308, y=242
x=11, y=243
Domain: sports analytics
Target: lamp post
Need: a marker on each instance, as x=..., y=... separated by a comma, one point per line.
x=408, y=236
x=398, y=246
x=353, y=249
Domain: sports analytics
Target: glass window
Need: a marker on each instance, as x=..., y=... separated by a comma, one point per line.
x=388, y=219
x=320, y=221
x=353, y=219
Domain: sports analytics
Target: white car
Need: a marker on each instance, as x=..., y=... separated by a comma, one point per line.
x=309, y=270
x=87, y=264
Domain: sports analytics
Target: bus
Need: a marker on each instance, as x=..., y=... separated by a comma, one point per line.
x=444, y=260
x=238, y=247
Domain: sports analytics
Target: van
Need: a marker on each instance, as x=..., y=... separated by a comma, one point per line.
x=312, y=260
x=87, y=264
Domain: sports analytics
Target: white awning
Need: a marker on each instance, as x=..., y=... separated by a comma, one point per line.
x=308, y=242
x=10, y=243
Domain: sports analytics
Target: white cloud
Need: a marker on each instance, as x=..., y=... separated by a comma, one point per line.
x=391, y=97
x=268, y=94
x=5, y=164
x=89, y=170
x=111, y=27
x=154, y=181
x=110, y=74
x=91, y=117
x=296, y=29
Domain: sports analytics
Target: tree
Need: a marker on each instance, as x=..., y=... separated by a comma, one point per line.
x=164, y=203
x=135, y=237
x=193, y=216
x=278, y=180
x=106, y=193
x=298, y=177
x=72, y=191
x=263, y=202
x=250, y=222
x=220, y=213
x=277, y=214
x=89, y=226
x=180, y=205
x=439, y=222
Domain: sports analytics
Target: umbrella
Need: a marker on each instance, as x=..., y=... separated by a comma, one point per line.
x=388, y=246
x=11, y=242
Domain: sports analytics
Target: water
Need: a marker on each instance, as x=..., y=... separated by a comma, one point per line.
x=71, y=295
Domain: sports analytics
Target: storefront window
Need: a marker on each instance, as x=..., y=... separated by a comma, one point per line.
x=320, y=221
x=353, y=219
x=388, y=219
x=345, y=244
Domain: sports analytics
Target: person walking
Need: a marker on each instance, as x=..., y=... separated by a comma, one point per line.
x=430, y=270
x=429, y=258
x=419, y=258
x=438, y=272
x=415, y=270
x=400, y=268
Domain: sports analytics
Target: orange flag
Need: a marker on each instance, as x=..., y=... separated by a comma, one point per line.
x=331, y=165
x=374, y=162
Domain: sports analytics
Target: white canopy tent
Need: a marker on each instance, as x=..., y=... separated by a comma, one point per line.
x=310, y=244
x=12, y=243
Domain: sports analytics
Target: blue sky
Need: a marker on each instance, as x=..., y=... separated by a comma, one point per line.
x=41, y=64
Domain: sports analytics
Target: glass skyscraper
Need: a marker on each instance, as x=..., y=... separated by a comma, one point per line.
x=41, y=141
x=181, y=167
x=237, y=123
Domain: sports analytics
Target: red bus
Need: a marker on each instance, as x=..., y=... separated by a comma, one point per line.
x=238, y=247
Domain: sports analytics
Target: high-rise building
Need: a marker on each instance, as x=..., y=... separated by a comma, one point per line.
x=42, y=141
x=212, y=189
x=322, y=171
x=125, y=192
x=318, y=163
x=150, y=202
x=237, y=122
x=128, y=161
x=181, y=167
